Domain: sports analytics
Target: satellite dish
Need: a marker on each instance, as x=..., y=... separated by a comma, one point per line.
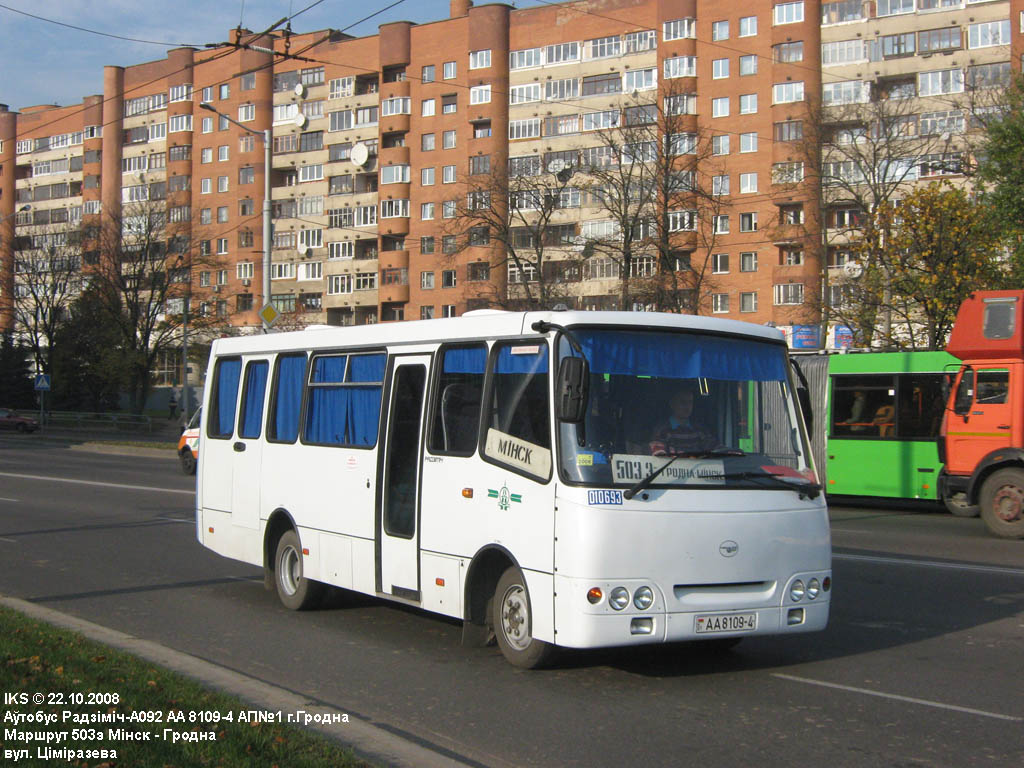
x=853, y=269
x=300, y=121
x=360, y=154
x=304, y=250
x=556, y=165
x=300, y=90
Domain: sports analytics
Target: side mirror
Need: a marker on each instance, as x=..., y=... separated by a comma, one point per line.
x=573, y=390
x=964, y=393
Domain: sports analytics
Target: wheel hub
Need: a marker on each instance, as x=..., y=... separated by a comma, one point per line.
x=513, y=618
x=1009, y=503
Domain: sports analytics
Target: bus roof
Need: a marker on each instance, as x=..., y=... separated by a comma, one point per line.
x=479, y=325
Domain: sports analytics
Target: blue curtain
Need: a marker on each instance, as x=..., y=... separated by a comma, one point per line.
x=228, y=372
x=465, y=360
x=682, y=356
x=252, y=399
x=364, y=415
x=367, y=368
x=532, y=362
x=328, y=369
x=327, y=417
x=288, y=397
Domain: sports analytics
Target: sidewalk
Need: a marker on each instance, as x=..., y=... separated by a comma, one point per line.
x=160, y=442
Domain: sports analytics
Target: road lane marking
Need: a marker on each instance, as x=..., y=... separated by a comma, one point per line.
x=94, y=482
x=9, y=541
x=3, y=499
x=930, y=564
x=896, y=697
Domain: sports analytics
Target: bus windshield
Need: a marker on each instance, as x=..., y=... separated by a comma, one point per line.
x=710, y=412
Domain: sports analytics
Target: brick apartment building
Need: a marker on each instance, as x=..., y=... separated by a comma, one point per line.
x=377, y=139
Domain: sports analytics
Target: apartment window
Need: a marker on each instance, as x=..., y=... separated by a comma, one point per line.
x=940, y=82
x=246, y=113
x=600, y=85
x=426, y=313
x=481, y=94
x=748, y=184
x=246, y=175
x=222, y=248
x=427, y=142
x=994, y=75
x=748, y=302
x=748, y=221
x=205, y=216
x=748, y=261
x=222, y=123
x=448, y=209
x=246, y=143
x=248, y=82
x=720, y=145
x=450, y=70
x=720, y=224
x=787, y=53
x=448, y=174
x=394, y=209
x=989, y=33
x=314, y=172
x=366, y=116
x=639, y=80
x=397, y=105
x=394, y=174
x=792, y=13
x=680, y=66
x=678, y=29
x=341, y=250
x=748, y=26
x=480, y=59
x=720, y=30
x=719, y=69
x=789, y=293
x=720, y=107
x=748, y=142
x=179, y=123
x=790, y=130
x=845, y=92
x=338, y=284
x=681, y=104
x=934, y=40
x=426, y=280
x=893, y=7
x=791, y=257
x=479, y=165
x=426, y=177
x=311, y=238
x=681, y=221
x=525, y=59
x=426, y=211
x=720, y=302
x=448, y=279
x=428, y=107
x=791, y=214
x=720, y=263
x=341, y=120
x=602, y=47
x=449, y=104
x=448, y=140
x=448, y=244
x=427, y=74
x=748, y=103
x=748, y=65
x=524, y=129
x=783, y=93
x=720, y=185
x=427, y=244
x=842, y=11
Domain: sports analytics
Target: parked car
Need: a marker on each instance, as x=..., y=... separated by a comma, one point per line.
x=11, y=420
x=188, y=444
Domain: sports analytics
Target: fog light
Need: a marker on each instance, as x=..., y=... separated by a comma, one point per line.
x=643, y=598
x=795, y=616
x=619, y=598
x=813, y=588
x=796, y=591
x=827, y=583
x=641, y=626
x=594, y=595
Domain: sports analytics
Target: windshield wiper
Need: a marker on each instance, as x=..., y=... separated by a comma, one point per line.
x=650, y=478
x=716, y=452
x=805, y=490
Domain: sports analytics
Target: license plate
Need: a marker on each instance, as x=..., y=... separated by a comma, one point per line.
x=725, y=622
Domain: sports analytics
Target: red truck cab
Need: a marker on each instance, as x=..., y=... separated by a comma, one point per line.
x=982, y=437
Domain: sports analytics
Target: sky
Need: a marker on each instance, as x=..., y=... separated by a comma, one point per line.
x=45, y=63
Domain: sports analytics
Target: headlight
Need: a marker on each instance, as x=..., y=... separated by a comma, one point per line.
x=813, y=588
x=619, y=598
x=643, y=598
x=796, y=591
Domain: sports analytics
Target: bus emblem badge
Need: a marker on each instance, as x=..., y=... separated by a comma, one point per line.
x=728, y=548
x=504, y=498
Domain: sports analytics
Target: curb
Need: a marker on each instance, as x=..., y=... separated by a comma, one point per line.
x=95, y=444
x=368, y=741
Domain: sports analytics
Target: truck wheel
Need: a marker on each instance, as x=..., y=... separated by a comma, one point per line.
x=188, y=462
x=513, y=623
x=296, y=592
x=1002, y=503
x=957, y=505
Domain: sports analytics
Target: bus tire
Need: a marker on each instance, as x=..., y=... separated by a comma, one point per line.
x=1002, y=503
x=957, y=505
x=513, y=620
x=297, y=593
x=188, y=462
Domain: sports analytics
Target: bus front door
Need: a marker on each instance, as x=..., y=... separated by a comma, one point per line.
x=399, y=502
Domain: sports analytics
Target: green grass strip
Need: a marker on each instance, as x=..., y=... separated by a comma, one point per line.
x=103, y=688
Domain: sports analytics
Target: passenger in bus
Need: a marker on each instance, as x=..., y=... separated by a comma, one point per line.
x=885, y=417
x=678, y=434
x=858, y=412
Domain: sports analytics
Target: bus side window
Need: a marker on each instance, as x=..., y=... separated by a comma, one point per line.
x=250, y=421
x=286, y=399
x=455, y=422
x=224, y=398
x=519, y=393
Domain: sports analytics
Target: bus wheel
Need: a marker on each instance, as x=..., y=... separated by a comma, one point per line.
x=957, y=505
x=1002, y=503
x=513, y=621
x=188, y=462
x=297, y=593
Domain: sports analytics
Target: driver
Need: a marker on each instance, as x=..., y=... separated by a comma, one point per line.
x=678, y=434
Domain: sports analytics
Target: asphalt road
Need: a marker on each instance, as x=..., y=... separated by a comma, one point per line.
x=921, y=664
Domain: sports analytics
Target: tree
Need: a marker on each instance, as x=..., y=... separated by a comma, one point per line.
x=16, y=390
x=517, y=210
x=941, y=247
x=48, y=278
x=853, y=159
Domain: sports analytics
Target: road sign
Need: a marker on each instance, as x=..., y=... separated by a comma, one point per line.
x=269, y=314
x=42, y=382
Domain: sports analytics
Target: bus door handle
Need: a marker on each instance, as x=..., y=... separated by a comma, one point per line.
x=239, y=447
x=1003, y=426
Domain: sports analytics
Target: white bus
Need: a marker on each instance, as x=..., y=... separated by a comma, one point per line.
x=500, y=468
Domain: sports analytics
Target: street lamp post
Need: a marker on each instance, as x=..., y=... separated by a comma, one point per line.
x=267, y=152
